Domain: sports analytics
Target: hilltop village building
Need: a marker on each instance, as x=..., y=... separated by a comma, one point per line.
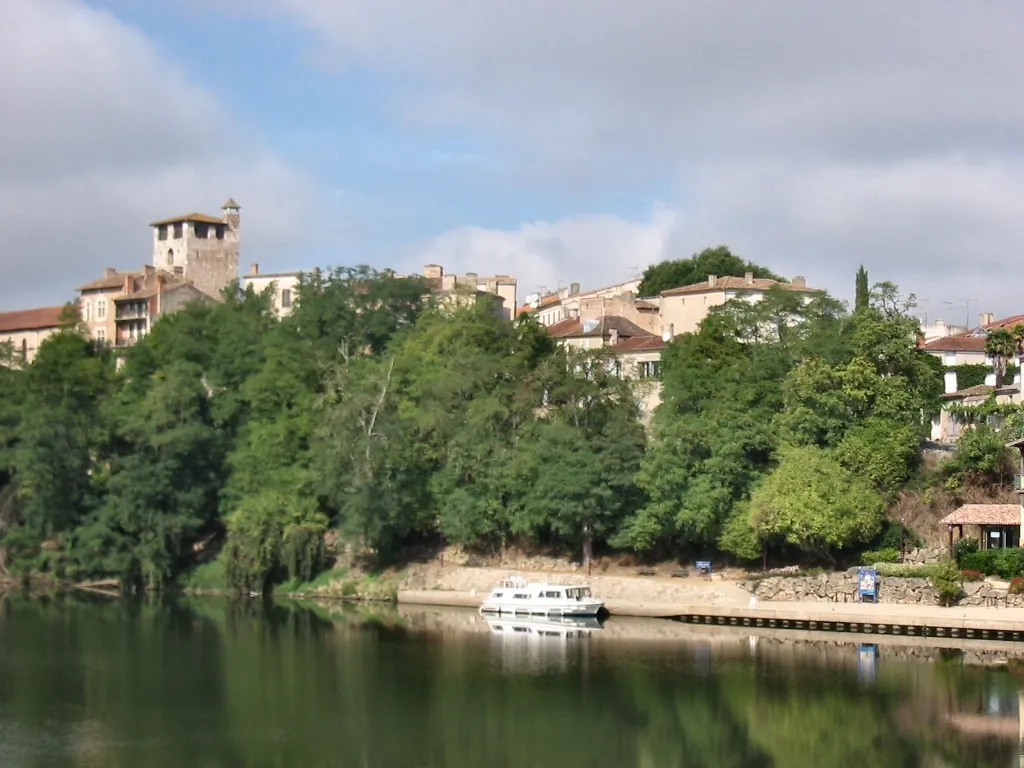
x=24, y=330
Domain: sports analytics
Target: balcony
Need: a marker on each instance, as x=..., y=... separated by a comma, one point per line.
x=131, y=313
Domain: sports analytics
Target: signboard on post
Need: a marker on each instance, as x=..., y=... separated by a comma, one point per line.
x=867, y=584
x=703, y=567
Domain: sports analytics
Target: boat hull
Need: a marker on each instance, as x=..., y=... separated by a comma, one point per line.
x=575, y=608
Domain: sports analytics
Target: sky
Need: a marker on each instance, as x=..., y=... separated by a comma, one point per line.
x=556, y=140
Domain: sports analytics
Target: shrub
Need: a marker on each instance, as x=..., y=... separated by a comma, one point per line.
x=1016, y=585
x=873, y=556
x=965, y=547
x=972, y=575
x=985, y=562
x=947, y=582
x=1009, y=562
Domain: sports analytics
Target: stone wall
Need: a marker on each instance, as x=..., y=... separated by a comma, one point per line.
x=839, y=587
x=842, y=588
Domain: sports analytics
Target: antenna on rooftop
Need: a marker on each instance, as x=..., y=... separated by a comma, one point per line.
x=967, y=308
x=634, y=272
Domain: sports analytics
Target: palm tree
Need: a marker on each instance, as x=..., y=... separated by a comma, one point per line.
x=1017, y=332
x=1000, y=346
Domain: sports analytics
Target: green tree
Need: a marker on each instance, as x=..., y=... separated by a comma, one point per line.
x=863, y=295
x=814, y=503
x=1000, y=346
x=711, y=261
x=162, y=483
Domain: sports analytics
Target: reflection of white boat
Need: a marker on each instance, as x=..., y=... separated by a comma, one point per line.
x=539, y=628
x=520, y=597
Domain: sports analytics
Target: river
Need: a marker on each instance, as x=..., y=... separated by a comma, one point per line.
x=209, y=682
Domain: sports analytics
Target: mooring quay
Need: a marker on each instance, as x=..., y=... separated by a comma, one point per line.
x=968, y=623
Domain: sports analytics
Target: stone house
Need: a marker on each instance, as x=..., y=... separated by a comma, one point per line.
x=200, y=248
x=284, y=287
x=569, y=303
x=683, y=309
x=637, y=352
x=968, y=347
x=455, y=287
x=24, y=330
x=145, y=299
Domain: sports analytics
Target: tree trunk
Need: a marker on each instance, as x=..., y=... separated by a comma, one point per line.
x=588, y=545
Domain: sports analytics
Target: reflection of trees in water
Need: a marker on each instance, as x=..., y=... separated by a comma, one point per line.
x=248, y=684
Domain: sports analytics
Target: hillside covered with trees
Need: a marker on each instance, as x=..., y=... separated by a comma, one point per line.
x=372, y=411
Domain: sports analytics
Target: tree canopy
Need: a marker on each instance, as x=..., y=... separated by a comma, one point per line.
x=695, y=269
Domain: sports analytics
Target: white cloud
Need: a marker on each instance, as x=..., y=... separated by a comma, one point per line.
x=101, y=135
x=809, y=136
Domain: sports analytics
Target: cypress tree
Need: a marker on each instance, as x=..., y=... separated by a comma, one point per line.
x=861, y=300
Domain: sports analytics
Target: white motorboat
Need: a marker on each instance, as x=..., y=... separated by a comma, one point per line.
x=517, y=596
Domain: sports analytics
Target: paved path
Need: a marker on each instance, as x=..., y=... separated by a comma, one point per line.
x=974, y=617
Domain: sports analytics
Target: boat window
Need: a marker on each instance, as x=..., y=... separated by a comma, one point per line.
x=521, y=597
x=497, y=594
x=521, y=629
x=586, y=592
x=552, y=594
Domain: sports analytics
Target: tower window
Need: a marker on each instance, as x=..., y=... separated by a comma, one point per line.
x=170, y=257
x=101, y=309
x=177, y=231
x=286, y=298
x=179, y=270
x=161, y=232
x=202, y=230
x=220, y=231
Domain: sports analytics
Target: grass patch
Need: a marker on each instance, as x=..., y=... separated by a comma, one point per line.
x=322, y=579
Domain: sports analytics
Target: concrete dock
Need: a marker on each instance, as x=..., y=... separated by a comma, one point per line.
x=993, y=624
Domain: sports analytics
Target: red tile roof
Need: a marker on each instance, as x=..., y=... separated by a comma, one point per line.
x=108, y=282
x=573, y=327
x=724, y=283
x=202, y=218
x=958, y=343
x=31, y=319
x=641, y=344
x=972, y=340
x=984, y=514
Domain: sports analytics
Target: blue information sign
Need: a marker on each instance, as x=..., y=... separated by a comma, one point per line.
x=867, y=584
x=703, y=566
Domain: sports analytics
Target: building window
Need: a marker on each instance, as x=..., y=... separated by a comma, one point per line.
x=101, y=309
x=101, y=334
x=161, y=232
x=177, y=231
x=179, y=270
x=650, y=369
x=170, y=256
x=220, y=231
x=202, y=230
x=87, y=310
x=286, y=298
x=24, y=350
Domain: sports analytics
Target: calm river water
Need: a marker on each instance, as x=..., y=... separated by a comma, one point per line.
x=219, y=683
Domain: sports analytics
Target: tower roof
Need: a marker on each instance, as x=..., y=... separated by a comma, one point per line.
x=203, y=218
x=231, y=204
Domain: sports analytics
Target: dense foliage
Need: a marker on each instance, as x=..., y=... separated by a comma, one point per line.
x=785, y=423
x=374, y=418
x=370, y=410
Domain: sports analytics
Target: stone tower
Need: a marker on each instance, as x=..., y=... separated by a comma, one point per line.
x=200, y=247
